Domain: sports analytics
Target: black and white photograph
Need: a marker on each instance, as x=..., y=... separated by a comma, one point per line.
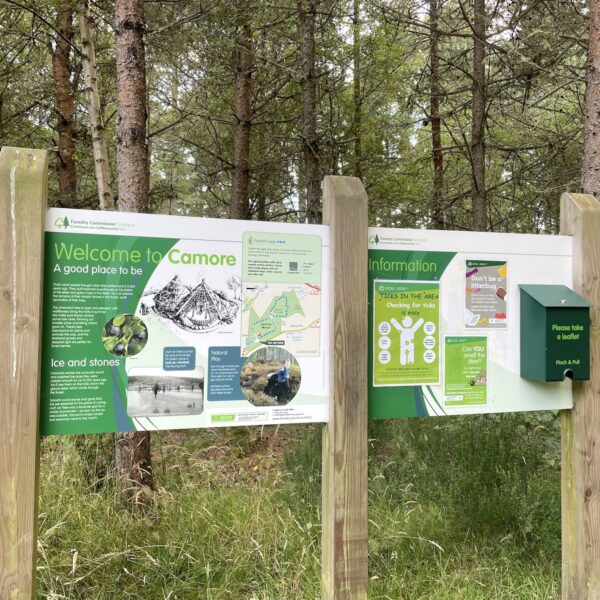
x=155, y=392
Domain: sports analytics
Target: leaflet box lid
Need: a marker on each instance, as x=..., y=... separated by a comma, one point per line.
x=555, y=296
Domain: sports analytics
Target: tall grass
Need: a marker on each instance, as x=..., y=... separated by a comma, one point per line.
x=465, y=508
x=459, y=508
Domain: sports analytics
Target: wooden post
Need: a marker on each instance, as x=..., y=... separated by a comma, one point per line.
x=580, y=217
x=345, y=520
x=23, y=185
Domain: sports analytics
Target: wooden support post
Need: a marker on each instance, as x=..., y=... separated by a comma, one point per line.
x=23, y=185
x=345, y=520
x=580, y=217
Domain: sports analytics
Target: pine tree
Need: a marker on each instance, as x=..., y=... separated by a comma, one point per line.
x=133, y=450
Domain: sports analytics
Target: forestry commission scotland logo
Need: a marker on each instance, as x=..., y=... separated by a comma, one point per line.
x=61, y=223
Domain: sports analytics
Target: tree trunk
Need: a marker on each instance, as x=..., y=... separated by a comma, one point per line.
x=173, y=192
x=133, y=456
x=239, y=207
x=356, y=91
x=478, y=193
x=437, y=208
x=173, y=196
x=133, y=462
x=310, y=146
x=590, y=172
x=99, y=146
x=261, y=201
x=65, y=105
x=132, y=160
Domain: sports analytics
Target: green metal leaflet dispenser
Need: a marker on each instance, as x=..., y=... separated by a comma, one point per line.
x=555, y=333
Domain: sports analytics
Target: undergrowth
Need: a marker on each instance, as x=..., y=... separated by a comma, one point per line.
x=460, y=508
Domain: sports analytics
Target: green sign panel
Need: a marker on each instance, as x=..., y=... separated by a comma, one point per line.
x=406, y=319
x=94, y=283
x=397, y=390
x=466, y=372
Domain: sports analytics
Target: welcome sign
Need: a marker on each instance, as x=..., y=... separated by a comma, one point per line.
x=160, y=322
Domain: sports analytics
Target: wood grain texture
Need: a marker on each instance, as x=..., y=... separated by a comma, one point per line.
x=345, y=518
x=580, y=217
x=23, y=184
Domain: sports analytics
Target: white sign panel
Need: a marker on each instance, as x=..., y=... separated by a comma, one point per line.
x=161, y=322
x=464, y=287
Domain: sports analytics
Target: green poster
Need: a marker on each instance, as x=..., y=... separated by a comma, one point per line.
x=465, y=368
x=92, y=328
x=406, y=330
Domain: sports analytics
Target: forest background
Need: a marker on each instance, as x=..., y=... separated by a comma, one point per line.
x=457, y=114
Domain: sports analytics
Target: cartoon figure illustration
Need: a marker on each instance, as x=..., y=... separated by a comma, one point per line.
x=407, y=339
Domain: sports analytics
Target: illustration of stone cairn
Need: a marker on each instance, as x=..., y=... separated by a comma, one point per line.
x=199, y=309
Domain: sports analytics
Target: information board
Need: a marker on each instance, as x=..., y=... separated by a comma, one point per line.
x=160, y=322
x=444, y=321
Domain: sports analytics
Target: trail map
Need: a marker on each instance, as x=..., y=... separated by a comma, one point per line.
x=286, y=314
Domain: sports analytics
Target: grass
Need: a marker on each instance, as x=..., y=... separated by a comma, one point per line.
x=237, y=515
x=258, y=398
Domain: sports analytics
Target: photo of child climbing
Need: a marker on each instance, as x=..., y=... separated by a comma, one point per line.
x=270, y=376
